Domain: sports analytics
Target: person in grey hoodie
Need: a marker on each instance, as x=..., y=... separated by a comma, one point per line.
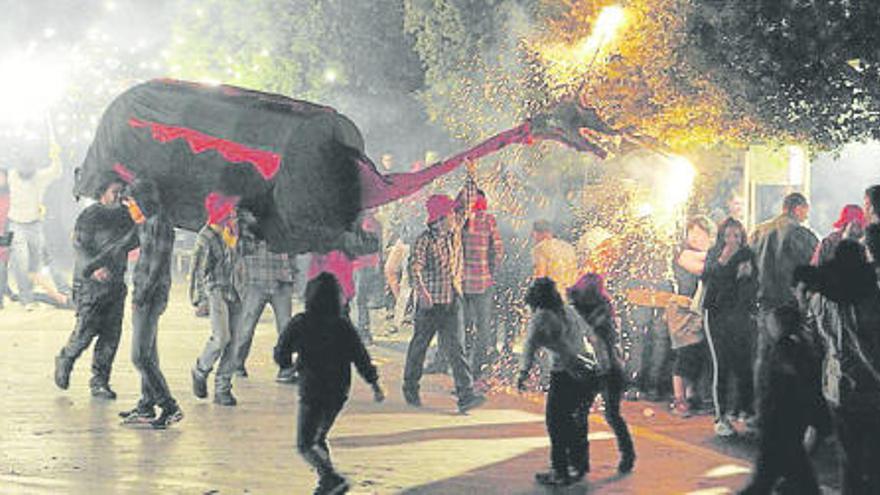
x=573, y=380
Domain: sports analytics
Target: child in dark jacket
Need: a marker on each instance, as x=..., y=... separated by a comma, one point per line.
x=326, y=344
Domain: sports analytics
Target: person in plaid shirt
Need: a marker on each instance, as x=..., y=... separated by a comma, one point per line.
x=436, y=264
x=482, y=250
x=213, y=263
x=266, y=278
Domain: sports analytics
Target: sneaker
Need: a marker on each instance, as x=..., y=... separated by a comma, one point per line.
x=170, y=415
x=331, y=484
x=138, y=416
x=412, y=397
x=287, y=375
x=224, y=399
x=627, y=463
x=632, y=395
x=143, y=411
x=681, y=409
x=63, y=367
x=724, y=429
x=576, y=475
x=552, y=478
x=472, y=402
x=103, y=392
x=200, y=383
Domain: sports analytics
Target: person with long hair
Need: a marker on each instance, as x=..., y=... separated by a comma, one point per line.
x=559, y=329
x=592, y=302
x=327, y=344
x=731, y=285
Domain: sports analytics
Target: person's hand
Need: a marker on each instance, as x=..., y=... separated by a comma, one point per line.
x=378, y=393
x=425, y=299
x=471, y=166
x=101, y=274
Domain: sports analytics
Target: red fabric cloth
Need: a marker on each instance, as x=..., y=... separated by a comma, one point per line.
x=850, y=214
x=219, y=207
x=266, y=162
x=337, y=264
x=439, y=205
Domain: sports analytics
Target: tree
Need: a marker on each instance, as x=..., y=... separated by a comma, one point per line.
x=808, y=69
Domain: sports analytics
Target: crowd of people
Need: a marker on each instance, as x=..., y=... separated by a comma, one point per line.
x=775, y=333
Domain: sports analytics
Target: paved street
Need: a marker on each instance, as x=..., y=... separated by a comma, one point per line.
x=54, y=441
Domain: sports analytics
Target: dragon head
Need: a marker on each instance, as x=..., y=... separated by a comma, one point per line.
x=576, y=124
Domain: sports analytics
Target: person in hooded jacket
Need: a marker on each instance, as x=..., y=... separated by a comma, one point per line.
x=573, y=380
x=327, y=344
x=592, y=302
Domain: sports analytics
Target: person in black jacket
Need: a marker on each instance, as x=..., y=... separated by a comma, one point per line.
x=327, y=344
x=730, y=276
x=102, y=238
x=787, y=400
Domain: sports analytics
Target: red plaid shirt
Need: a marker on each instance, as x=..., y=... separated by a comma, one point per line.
x=483, y=250
x=436, y=264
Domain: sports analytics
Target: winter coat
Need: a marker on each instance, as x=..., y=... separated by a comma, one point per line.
x=732, y=286
x=780, y=245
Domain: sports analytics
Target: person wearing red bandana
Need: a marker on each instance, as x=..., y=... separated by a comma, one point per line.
x=213, y=262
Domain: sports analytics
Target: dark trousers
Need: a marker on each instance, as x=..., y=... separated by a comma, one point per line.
x=479, y=334
x=145, y=353
x=567, y=408
x=859, y=438
x=101, y=317
x=253, y=302
x=730, y=341
x=612, y=388
x=313, y=423
x=781, y=454
x=445, y=321
x=648, y=350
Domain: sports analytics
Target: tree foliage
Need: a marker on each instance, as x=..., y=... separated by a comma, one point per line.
x=808, y=69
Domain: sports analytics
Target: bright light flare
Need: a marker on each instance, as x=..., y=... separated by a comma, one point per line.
x=567, y=64
x=330, y=76
x=680, y=182
x=29, y=87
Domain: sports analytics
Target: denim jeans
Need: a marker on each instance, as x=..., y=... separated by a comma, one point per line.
x=29, y=254
x=445, y=321
x=480, y=336
x=145, y=353
x=224, y=316
x=99, y=317
x=366, y=279
x=254, y=301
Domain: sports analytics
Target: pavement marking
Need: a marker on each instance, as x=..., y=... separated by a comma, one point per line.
x=726, y=470
x=719, y=490
x=600, y=435
x=353, y=425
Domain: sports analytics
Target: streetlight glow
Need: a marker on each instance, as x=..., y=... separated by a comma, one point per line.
x=29, y=87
